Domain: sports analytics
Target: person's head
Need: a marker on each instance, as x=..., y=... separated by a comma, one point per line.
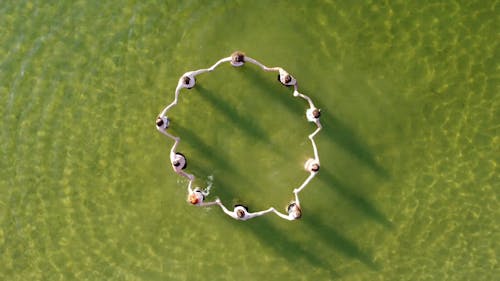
x=294, y=210
x=159, y=121
x=315, y=167
x=240, y=213
x=193, y=199
x=179, y=161
x=240, y=210
x=316, y=113
x=186, y=80
x=288, y=78
x=162, y=122
x=238, y=57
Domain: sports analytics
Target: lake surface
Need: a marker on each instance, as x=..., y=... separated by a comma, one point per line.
x=409, y=183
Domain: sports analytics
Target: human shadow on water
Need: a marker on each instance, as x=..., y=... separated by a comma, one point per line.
x=335, y=240
x=338, y=132
x=203, y=148
x=277, y=240
x=333, y=128
x=361, y=203
x=245, y=124
x=277, y=92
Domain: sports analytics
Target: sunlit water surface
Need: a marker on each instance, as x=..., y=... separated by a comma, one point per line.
x=409, y=184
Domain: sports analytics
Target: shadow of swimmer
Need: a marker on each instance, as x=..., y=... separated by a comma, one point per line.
x=246, y=124
x=338, y=132
x=336, y=241
x=203, y=148
x=333, y=128
x=361, y=203
x=278, y=240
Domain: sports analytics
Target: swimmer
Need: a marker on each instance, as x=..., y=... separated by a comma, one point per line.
x=179, y=162
x=187, y=81
x=285, y=78
x=237, y=58
x=162, y=123
x=197, y=196
x=313, y=114
x=312, y=166
x=293, y=209
x=240, y=212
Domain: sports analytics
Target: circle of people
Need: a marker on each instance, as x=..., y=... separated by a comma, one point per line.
x=197, y=196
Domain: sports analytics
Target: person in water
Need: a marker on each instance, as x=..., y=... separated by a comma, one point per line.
x=187, y=80
x=179, y=162
x=312, y=166
x=285, y=78
x=240, y=212
x=237, y=58
x=162, y=123
x=294, y=212
x=313, y=114
x=197, y=197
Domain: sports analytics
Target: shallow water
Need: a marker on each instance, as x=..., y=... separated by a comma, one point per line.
x=408, y=188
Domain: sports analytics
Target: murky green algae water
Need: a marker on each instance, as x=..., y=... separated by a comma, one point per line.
x=409, y=183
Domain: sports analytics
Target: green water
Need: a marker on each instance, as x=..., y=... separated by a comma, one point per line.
x=409, y=184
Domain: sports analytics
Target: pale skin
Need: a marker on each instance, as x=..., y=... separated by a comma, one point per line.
x=200, y=203
x=195, y=197
x=247, y=216
x=287, y=216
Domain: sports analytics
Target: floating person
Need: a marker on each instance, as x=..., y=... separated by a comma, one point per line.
x=312, y=165
x=197, y=197
x=240, y=212
x=285, y=78
x=237, y=58
x=162, y=123
x=313, y=114
x=294, y=212
x=187, y=81
x=179, y=162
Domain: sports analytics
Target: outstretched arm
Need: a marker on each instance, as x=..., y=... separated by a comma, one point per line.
x=297, y=198
x=206, y=204
x=297, y=190
x=186, y=175
x=229, y=213
x=258, y=63
x=218, y=63
x=283, y=216
x=256, y=214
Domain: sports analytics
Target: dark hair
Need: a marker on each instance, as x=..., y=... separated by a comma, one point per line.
x=186, y=80
x=315, y=167
x=239, y=205
x=293, y=204
x=238, y=56
x=159, y=122
x=288, y=78
x=316, y=113
x=177, y=163
x=240, y=213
